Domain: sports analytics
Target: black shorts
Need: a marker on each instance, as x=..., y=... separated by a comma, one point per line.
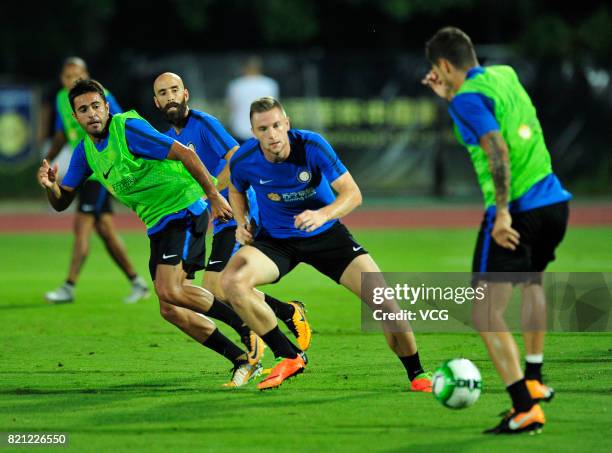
x=541, y=231
x=182, y=240
x=329, y=252
x=94, y=199
x=223, y=247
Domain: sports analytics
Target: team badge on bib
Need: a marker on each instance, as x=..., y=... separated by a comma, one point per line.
x=304, y=176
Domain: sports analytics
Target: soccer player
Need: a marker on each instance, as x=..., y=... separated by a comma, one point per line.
x=526, y=211
x=293, y=173
x=208, y=138
x=94, y=210
x=163, y=182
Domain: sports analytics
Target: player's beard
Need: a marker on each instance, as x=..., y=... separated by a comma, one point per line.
x=178, y=117
x=104, y=132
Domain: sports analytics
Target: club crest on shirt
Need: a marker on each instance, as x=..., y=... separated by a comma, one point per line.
x=274, y=196
x=304, y=176
x=191, y=146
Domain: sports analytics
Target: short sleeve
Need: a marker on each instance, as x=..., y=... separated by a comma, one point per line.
x=237, y=177
x=78, y=170
x=322, y=156
x=145, y=141
x=473, y=113
x=216, y=137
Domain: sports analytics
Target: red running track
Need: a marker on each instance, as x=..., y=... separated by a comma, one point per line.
x=365, y=219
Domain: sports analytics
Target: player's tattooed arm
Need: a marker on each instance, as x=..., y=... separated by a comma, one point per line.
x=496, y=149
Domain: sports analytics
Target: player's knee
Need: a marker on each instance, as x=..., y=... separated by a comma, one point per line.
x=232, y=286
x=104, y=229
x=170, y=313
x=169, y=292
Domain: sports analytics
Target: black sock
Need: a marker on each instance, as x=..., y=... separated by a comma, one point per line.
x=521, y=399
x=222, y=345
x=225, y=313
x=132, y=278
x=533, y=371
x=412, y=363
x=70, y=283
x=280, y=344
x=282, y=310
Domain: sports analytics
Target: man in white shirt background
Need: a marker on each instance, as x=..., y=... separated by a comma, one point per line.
x=245, y=89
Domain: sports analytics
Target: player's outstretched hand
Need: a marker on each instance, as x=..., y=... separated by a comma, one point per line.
x=220, y=208
x=243, y=234
x=433, y=81
x=47, y=175
x=503, y=233
x=309, y=220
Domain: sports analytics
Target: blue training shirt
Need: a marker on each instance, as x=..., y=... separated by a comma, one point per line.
x=286, y=189
x=208, y=138
x=144, y=141
x=474, y=116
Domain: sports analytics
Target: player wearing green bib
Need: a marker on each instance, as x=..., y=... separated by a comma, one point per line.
x=94, y=208
x=163, y=182
x=526, y=211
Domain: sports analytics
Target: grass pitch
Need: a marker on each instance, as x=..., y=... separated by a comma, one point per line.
x=118, y=377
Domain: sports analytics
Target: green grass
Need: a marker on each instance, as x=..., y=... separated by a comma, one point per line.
x=118, y=377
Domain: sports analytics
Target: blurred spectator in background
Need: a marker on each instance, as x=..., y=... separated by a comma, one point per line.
x=244, y=90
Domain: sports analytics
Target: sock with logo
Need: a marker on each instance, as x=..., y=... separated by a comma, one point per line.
x=413, y=366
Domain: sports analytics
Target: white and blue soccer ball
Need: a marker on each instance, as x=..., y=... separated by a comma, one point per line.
x=457, y=383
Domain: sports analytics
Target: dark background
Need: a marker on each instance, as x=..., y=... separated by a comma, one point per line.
x=355, y=50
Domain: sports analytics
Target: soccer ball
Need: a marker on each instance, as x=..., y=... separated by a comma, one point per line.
x=457, y=383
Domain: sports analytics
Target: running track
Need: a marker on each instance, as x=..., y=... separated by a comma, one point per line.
x=591, y=215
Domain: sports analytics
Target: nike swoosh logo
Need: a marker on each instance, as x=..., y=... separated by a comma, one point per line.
x=357, y=248
x=514, y=425
x=261, y=181
x=106, y=173
x=164, y=256
x=215, y=262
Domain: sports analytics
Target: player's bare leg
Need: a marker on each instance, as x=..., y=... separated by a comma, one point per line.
x=169, y=287
x=114, y=245
x=82, y=227
x=105, y=228
x=533, y=319
x=184, y=306
x=292, y=313
x=488, y=317
x=195, y=325
x=398, y=334
x=489, y=320
x=247, y=269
